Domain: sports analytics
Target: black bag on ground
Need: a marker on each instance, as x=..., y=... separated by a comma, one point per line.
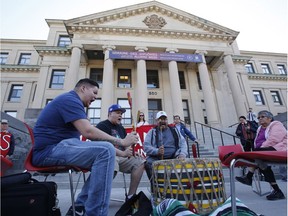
x=137, y=205
x=22, y=195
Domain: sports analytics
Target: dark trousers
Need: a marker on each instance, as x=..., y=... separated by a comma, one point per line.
x=268, y=173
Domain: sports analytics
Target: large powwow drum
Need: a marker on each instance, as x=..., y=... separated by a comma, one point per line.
x=191, y=181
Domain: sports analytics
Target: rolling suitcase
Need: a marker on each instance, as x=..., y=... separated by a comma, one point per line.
x=22, y=195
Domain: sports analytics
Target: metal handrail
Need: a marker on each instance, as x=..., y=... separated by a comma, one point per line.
x=211, y=130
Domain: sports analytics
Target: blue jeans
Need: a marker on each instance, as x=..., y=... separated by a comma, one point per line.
x=99, y=158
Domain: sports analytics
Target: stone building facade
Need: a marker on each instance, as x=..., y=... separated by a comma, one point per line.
x=166, y=58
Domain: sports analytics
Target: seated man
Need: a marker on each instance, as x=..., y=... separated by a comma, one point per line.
x=163, y=142
x=57, y=143
x=124, y=160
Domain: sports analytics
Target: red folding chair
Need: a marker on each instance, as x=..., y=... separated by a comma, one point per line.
x=53, y=170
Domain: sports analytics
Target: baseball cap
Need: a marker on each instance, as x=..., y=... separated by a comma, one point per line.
x=116, y=107
x=4, y=121
x=161, y=113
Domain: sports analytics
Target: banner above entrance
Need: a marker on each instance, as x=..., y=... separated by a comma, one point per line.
x=117, y=54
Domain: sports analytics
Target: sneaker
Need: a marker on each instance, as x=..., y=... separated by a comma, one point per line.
x=79, y=211
x=244, y=180
x=274, y=195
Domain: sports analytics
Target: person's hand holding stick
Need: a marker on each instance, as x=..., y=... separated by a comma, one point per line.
x=132, y=120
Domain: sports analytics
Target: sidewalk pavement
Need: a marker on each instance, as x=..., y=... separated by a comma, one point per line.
x=259, y=204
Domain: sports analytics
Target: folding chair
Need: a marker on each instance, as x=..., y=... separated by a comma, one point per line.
x=53, y=170
x=228, y=150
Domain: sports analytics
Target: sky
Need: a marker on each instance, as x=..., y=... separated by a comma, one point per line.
x=263, y=24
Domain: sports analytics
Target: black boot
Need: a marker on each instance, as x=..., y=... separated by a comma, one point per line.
x=246, y=179
x=275, y=194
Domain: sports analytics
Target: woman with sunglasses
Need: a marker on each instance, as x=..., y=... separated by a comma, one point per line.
x=141, y=120
x=270, y=136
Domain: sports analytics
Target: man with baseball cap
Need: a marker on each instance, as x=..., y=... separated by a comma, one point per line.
x=163, y=142
x=124, y=161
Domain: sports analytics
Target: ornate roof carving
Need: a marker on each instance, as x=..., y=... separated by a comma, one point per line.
x=160, y=20
x=154, y=22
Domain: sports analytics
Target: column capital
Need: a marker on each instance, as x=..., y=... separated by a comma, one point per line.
x=172, y=50
x=108, y=47
x=79, y=46
x=141, y=49
x=202, y=52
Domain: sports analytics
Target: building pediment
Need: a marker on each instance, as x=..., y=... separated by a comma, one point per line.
x=150, y=18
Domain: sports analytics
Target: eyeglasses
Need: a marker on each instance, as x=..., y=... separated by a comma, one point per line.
x=261, y=117
x=141, y=115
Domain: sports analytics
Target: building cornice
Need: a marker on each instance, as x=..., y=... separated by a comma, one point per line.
x=241, y=58
x=150, y=32
x=273, y=77
x=20, y=68
x=53, y=50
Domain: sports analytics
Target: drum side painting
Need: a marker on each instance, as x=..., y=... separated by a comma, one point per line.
x=191, y=181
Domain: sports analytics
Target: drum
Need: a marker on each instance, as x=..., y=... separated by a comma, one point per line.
x=191, y=181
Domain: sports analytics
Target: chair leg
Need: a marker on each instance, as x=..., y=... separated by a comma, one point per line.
x=257, y=180
x=72, y=191
x=125, y=186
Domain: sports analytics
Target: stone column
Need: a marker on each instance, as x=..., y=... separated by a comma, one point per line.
x=176, y=97
x=71, y=76
x=42, y=85
x=234, y=85
x=141, y=87
x=209, y=101
x=108, y=82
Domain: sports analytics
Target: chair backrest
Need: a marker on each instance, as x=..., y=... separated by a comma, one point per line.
x=28, y=162
x=225, y=151
x=49, y=169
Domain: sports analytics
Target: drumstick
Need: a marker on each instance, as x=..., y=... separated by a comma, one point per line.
x=133, y=123
x=162, y=156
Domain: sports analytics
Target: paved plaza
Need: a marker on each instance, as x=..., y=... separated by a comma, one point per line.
x=257, y=203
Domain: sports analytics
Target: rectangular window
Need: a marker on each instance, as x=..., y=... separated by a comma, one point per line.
x=152, y=79
x=259, y=100
x=12, y=113
x=124, y=78
x=15, y=93
x=154, y=105
x=266, y=69
x=24, y=59
x=57, y=79
x=94, y=112
x=96, y=74
x=199, y=81
x=282, y=69
x=64, y=41
x=186, y=112
x=276, y=97
x=182, y=80
x=249, y=68
x=3, y=58
x=127, y=116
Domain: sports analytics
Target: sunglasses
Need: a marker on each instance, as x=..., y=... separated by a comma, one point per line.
x=141, y=115
x=261, y=117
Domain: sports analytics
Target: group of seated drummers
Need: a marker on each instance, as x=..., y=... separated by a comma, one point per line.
x=57, y=142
